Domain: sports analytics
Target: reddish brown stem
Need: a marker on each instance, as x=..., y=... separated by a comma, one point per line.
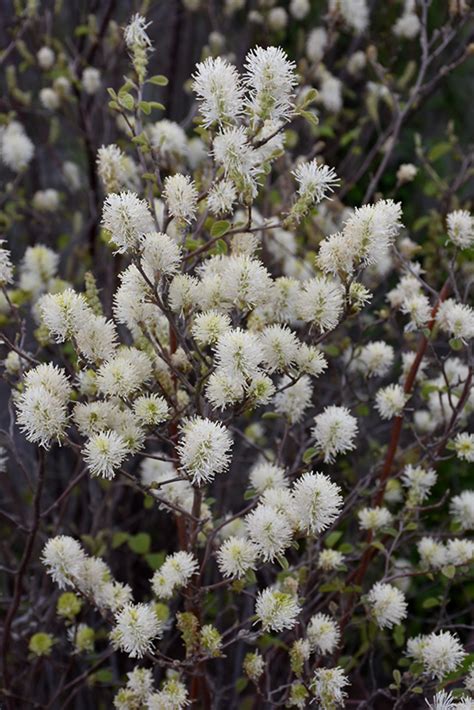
x=358, y=574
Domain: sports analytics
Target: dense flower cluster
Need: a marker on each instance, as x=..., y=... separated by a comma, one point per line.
x=272, y=373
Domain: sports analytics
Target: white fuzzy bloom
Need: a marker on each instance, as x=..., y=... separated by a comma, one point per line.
x=469, y=680
x=124, y=374
x=52, y=378
x=375, y=359
x=236, y=556
x=276, y=610
x=357, y=62
x=16, y=149
x=330, y=560
x=245, y=282
x=418, y=307
x=6, y=266
x=175, y=572
x=49, y=98
x=334, y=431
x=116, y=169
x=136, y=628
x=299, y=8
x=96, y=339
x=316, y=44
x=293, y=399
x=372, y=229
x=63, y=313
x=269, y=530
x=172, y=696
x=387, y=605
x=310, y=360
x=169, y=140
x=42, y=406
x=181, y=197
x=183, y=293
x=151, y=409
x=267, y=475
x=374, y=518
x=390, y=401
x=408, y=286
x=419, y=481
x=46, y=58
x=270, y=79
x=314, y=181
x=440, y=653
x=204, y=449
x=321, y=303
x=318, y=502
x=323, y=634
x=91, y=80
x=217, y=86
x=223, y=390
x=432, y=554
x=407, y=26
x=63, y=557
x=328, y=687
x=460, y=552
x=461, y=228
x=330, y=93
x=464, y=446
x=161, y=256
x=239, y=354
x=462, y=509
x=221, y=197
x=135, y=33
x=46, y=200
x=104, y=453
x=93, y=417
x=354, y=13
x=209, y=327
x=127, y=218
x=443, y=700
x=456, y=319
x=406, y=173
x=277, y=19
x=239, y=159
x=279, y=347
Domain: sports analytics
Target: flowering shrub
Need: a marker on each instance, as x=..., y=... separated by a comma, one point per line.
x=248, y=408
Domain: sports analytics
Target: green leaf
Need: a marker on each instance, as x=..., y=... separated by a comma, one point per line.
x=399, y=635
x=449, y=571
x=140, y=543
x=145, y=107
x=309, y=97
x=155, y=559
x=346, y=548
x=310, y=117
x=430, y=603
x=270, y=415
x=251, y=493
x=241, y=684
x=397, y=677
x=309, y=454
x=118, y=539
x=104, y=676
x=158, y=80
x=438, y=150
x=220, y=228
x=127, y=101
x=220, y=247
x=455, y=344
x=333, y=538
